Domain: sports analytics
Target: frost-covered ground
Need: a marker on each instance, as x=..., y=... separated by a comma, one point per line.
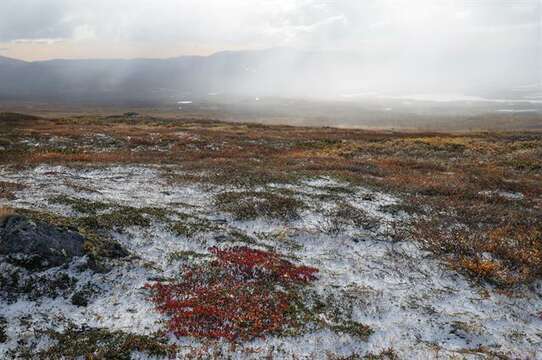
x=414, y=304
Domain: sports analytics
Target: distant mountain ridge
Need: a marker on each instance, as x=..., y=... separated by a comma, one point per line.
x=265, y=72
x=10, y=61
x=281, y=72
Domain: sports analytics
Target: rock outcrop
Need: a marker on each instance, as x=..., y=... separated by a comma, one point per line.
x=38, y=244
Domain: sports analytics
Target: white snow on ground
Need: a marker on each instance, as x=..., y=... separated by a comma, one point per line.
x=413, y=302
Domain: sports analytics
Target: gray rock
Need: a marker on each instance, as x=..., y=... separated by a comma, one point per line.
x=46, y=245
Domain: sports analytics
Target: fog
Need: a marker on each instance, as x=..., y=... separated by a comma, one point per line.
x=489, y=48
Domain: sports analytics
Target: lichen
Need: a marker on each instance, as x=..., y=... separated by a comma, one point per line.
x=98, y=343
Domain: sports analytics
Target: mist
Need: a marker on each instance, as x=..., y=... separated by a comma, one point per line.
x=309, y=48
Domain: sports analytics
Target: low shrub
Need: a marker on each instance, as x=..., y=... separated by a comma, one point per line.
x=242, y=294
x=505, y=253
x=246, y=205
x=103, y=344
x=8, y=189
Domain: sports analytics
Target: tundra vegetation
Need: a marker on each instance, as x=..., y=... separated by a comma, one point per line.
x=227, y=231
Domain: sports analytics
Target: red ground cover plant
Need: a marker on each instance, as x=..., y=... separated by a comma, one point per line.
x=242, y=294
x=251, y=261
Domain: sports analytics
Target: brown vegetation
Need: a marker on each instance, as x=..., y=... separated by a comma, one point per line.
x=476, y=198
x=7, y=189
x=251, y=204
x=5, y=213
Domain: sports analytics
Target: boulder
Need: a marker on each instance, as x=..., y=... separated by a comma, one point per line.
x=39, y=244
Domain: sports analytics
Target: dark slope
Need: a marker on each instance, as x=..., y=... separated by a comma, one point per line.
x=266, y=72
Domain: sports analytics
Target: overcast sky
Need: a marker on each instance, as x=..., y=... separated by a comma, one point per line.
x=43, y=29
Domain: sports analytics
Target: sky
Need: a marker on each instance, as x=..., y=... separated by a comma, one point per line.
x=404, y=29
x=405, y=45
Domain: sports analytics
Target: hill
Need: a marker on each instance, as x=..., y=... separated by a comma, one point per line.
x=268, y=72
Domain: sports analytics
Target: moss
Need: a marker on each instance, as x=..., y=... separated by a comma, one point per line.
x=353, y=356
x=80, y=205
x=58, y=283
x=246, y=205
x=353, y=328
x=119, y=216
x=386, y=354
x=83, y=295
x=280, y=239
x=15, y=282
x=234, y=235
x=301, y=315
x=122, y=217
x=185, y=255
x=117, y=219
x=29, y=262
x=309, y=310
x=345, y=215
x=103, y=344
x=482, y=352
x=190, y=226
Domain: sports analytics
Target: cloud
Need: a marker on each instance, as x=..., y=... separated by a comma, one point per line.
x=264, y=23
x=398, y=44
x=448, y=38
x=28, y=19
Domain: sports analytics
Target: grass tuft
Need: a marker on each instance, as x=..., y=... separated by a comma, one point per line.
x=103, y=344
x=247, y=205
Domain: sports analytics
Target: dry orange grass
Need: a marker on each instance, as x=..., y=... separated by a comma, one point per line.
x=505, y=253
x=7, y=189
x=6, y=212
